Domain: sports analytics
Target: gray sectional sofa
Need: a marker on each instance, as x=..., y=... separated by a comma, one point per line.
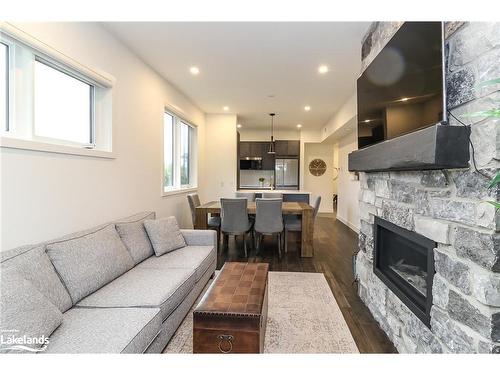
x=104, y=290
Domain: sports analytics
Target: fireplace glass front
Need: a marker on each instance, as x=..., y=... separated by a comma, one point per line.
x=404, y=261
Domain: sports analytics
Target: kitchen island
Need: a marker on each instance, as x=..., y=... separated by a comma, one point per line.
x=288, y=195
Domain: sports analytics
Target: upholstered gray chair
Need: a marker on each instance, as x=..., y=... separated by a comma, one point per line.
x=235, y=221
x=269, y=220
x=294, y=224
x=268, y=194
x=249, y=196
x=213, y=221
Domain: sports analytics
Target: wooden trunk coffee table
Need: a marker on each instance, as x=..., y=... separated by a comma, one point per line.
x=231, y=316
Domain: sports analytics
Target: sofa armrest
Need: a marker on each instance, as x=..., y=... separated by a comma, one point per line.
x=199, y=237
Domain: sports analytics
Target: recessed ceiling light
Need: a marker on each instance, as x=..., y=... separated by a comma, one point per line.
x=299, y=125
x=404, y=99
x=238, y=126
x=194, y=70
x=225, y=108
x=323, y=69
x=307, y=108
x=367, y=120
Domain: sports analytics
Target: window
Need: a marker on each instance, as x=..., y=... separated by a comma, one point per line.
x=179, y=139
x=63, y=106
x=169, y=151
x=4, y=85
x=185, y=130
x=50, y=102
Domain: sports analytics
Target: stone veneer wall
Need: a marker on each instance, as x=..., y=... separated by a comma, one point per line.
x=446, y=206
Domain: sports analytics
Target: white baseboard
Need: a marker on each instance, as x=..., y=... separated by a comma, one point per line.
x=349, y=224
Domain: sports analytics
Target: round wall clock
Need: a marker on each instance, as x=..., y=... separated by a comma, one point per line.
x=317, y=167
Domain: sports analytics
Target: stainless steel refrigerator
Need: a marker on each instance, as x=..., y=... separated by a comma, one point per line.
x=287, y=174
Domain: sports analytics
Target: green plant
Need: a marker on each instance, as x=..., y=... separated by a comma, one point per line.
x=490, y=113
x=495, y=182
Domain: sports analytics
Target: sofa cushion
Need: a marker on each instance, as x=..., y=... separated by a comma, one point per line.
x=198, y=237
x=25, y=312
x=136, y=240
x=164, y=234
x=106, y=331
x=138, y=287
x=89, y=262
x=34, y=265
x=197, y=258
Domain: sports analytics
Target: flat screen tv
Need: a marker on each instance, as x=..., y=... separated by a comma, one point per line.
x=402, y=90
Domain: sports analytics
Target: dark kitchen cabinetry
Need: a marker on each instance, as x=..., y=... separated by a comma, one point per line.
x=257, y=150
x=288, y=148
x=244, y=149
x=250, y=149
x=267, y=159
x=293, y=148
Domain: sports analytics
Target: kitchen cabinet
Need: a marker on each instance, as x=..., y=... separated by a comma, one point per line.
x=288, y=148
x=293, y=148
x=259, y=149
x=267, y=159
x=245, y=149
x=250, y=149
x=281, y=148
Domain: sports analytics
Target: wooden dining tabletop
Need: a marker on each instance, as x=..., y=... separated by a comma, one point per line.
x=303, y=209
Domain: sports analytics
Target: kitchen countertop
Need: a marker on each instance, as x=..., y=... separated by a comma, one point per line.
x=260, y=190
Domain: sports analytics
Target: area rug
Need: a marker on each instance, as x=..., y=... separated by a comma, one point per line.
x=303, y=317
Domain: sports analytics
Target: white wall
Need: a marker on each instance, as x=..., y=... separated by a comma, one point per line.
x=220, y=157
x=336, y=165
x=45, y=195
x=320, y=185
x=340, y=118
x=348, y=187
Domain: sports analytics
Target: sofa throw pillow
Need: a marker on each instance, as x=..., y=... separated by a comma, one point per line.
x=164, y=234
x=27, y=318
x=89, y=262
x=136, y=240
x=34, y=265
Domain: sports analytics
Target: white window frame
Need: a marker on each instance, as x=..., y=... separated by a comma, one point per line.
x=177, y=188
x=19, y=131
x=5, y=125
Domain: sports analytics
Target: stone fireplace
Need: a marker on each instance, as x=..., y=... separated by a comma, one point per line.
x=441, y=293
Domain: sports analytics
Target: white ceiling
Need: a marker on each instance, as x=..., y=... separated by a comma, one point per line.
x=241, y=64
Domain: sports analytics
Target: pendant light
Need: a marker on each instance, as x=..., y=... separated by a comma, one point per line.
x=271, y=144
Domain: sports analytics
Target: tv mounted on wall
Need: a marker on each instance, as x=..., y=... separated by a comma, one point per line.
x=403, y=90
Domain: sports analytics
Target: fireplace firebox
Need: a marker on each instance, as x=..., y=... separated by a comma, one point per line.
x=404, y=261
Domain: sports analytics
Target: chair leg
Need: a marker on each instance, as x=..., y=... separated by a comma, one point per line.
x=245, y=244
x=285, y=239
x=279, y=245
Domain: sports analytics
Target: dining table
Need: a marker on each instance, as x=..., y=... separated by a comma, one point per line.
x=303, y=209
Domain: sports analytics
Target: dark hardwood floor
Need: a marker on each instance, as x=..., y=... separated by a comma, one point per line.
x=334, y=245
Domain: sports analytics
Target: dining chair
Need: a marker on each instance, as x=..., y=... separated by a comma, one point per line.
x=269, y=220
x=294, y=224
x=268, y=194
x=213, y=221
x=235, y=221
x=249, y=196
